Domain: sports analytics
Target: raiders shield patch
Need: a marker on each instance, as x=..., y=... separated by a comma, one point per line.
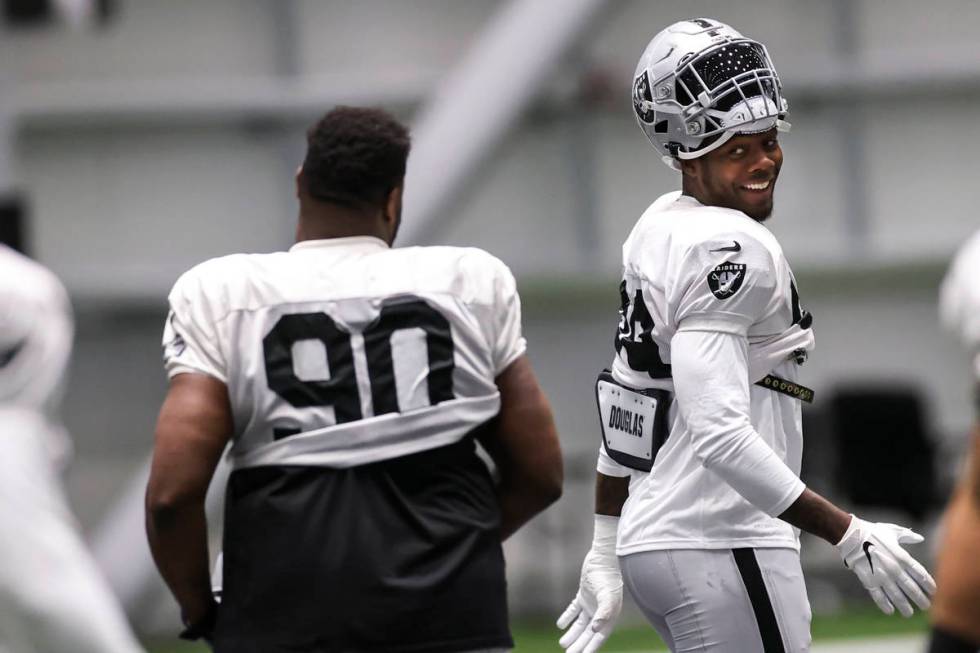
x=726, y=279
x=642, y=98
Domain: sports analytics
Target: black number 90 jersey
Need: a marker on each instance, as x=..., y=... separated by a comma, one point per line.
x=343, y=352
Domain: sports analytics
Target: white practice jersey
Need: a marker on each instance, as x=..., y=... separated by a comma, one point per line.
x=35, y=333
x=343, y=352
x=36, y=329
x=704, y=271
x=959, y=299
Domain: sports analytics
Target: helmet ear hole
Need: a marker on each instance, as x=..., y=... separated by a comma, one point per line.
x=660, y=127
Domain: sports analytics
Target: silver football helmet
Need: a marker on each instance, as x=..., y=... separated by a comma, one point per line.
x=700, y=82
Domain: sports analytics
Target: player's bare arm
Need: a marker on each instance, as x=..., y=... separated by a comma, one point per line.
x=524, y=445
x=974, y=469
x=814, y=514
x=192, y=430
x=611, y=493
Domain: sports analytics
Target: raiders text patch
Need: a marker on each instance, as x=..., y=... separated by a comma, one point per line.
x=726, y=279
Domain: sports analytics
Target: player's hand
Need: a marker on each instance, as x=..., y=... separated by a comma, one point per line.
x=893, y=577
x=593, y=612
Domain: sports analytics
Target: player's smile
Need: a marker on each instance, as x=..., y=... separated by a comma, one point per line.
x=759, y=187
x=758, y=192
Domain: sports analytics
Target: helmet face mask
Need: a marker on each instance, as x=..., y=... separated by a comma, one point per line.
x=700, y=82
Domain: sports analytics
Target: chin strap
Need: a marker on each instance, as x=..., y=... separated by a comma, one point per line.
x=724, y=138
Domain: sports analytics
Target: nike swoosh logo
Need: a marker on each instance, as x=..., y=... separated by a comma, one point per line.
x=867, y=554
x=8, y=355
x=734, y=248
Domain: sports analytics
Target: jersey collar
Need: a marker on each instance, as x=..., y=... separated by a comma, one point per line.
x=356, y=242
x=687, y=200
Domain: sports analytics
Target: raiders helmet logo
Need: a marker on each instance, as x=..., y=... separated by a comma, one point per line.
x=726, y=279
x=176, y=345
x=643, y=98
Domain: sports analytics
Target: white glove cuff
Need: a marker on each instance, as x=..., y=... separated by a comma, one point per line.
x=604, y=535
x=852, y=528
x=850, y=546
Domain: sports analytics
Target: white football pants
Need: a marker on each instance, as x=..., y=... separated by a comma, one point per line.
x=726, y=600
x=52, y=596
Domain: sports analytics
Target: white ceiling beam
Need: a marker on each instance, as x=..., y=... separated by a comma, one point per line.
x=482, y=97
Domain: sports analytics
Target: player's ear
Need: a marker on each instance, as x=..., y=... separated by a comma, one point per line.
x=393, y=204
x=298, y=177
x=690, y=168
x=393, y=210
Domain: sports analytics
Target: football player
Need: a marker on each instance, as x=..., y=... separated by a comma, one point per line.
x=354, y=381
x=698, y=489
x=956, y=613
x=52, y=595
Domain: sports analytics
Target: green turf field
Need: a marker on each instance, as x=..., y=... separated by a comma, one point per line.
x=542, y=637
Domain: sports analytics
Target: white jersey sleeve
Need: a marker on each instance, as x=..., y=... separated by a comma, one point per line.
x=959, y=299
x=503, y=320
x=711, y=387
x=36, y=330
x=190, y=339
x=724, y=283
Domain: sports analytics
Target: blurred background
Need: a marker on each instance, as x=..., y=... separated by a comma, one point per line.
x=140, y=137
